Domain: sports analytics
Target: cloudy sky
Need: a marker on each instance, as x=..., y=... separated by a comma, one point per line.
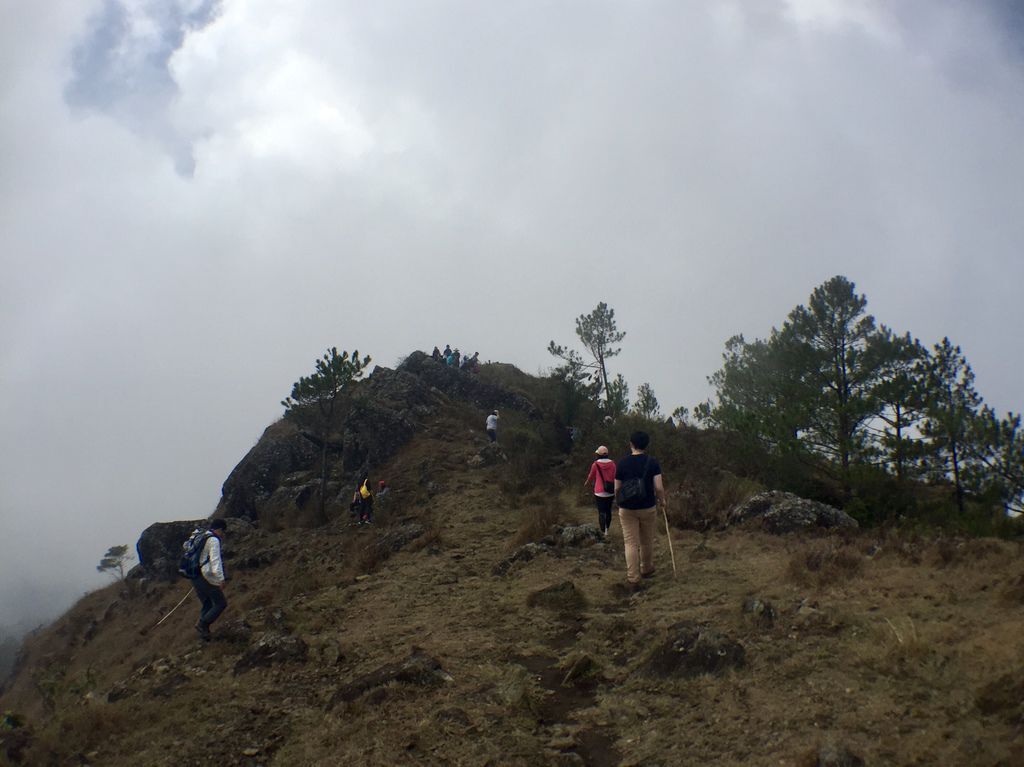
x=198, y=196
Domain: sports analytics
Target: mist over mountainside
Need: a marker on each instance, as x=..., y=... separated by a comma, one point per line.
x=483, y=620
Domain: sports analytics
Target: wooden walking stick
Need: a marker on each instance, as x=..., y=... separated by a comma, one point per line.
x=176, y=607
x=668, y=534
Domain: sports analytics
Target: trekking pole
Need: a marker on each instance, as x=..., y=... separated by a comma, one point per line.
x=668, y=534
x=175, y=608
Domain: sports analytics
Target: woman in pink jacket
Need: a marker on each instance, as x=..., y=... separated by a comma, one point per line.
x=602, y=476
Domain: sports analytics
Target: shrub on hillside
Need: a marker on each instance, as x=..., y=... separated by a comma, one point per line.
x=822, y=564
x=530, y=450
x=540, y=512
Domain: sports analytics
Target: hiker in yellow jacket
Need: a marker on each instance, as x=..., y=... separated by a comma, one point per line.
x=362, y=502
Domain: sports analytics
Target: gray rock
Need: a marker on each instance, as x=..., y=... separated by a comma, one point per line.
x=159, y=548
x=578, y=535
x=690, y=650
x=522, y=554
x=781, y=512
x=272, y=648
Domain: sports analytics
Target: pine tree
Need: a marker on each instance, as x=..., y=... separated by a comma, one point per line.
x=599, y=334
x=646, y=405
x=952, y=406
x=900, y=393
x=998, y=447
x=832, y=339
x=315, y=399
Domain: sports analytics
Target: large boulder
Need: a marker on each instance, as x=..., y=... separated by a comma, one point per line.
x=281, y=452
x=159, y=548
x=779, y=512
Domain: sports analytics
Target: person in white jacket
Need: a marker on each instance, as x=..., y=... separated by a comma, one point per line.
x=491, y=425
x=209, y=584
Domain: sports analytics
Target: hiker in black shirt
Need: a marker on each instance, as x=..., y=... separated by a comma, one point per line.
x=638, y=510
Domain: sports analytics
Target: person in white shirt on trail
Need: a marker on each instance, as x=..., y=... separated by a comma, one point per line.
x=492, y=426
x=209, y=584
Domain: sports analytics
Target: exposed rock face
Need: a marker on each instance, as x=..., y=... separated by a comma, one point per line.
x=280, y=452
x=785, y=513
x=459, y=384
x=278, y=481
x=159, y=548
x=691, y=650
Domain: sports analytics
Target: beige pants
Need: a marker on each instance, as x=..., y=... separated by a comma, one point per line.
x=638, y=535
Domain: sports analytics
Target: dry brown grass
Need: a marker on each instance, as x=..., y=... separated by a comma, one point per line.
x=956, y=552
x=537, y=516
x=824, y=563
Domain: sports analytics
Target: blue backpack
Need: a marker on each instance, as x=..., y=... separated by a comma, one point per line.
x=190, y=565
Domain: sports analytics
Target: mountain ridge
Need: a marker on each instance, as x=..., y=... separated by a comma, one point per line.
x=408, y=644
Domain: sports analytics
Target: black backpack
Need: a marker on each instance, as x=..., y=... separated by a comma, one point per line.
x=190, y=566
x=634, y=489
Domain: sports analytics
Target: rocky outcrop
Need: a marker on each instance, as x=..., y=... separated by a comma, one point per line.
x=779, y=512
x=281, y=452
x=690, y=650
x=278, y=481
x=159, y=549
x=564, y=536
x=462, y=385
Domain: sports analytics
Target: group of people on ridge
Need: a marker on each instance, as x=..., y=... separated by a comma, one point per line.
x=454, y=358
x=635, y=484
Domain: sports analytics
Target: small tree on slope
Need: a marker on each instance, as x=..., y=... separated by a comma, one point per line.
x=314, y=401
x=114, y=561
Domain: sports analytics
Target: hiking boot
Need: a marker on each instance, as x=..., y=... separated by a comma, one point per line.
x=204, y=631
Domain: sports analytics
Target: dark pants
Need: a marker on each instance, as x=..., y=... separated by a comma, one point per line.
x=492, y=435
x=604, y=511
x=366, y=510
x=212, y=598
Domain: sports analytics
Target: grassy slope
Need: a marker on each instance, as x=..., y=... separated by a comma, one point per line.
x=887, y=656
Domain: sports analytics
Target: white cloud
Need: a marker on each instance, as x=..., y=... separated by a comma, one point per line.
x=395, y=175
